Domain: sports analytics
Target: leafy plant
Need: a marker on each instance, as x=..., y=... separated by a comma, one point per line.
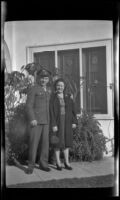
x=89, y=143
x=16, y=85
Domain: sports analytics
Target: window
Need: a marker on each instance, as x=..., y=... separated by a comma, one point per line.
x=68, y=61
x=89, y=64
x=45, y=58
x=95, y=86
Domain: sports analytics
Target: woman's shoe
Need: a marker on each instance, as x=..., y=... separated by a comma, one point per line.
x=67, y=167
x=58, y=167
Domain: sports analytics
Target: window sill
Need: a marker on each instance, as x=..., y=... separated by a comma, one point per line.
x=103, y=117
x=100, y=117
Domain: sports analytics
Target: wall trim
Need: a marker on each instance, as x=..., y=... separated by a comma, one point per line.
x=67, y=43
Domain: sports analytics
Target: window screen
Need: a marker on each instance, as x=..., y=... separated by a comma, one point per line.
x=95, y=85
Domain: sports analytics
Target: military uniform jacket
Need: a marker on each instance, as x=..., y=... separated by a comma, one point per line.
x=37, y=104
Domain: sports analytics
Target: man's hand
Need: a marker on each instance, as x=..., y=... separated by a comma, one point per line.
x=74, y=125
x=34, y=122
x=55, y=128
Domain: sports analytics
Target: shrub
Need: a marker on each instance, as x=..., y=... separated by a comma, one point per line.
x=16, y=140
x=8, y=151
x=17, y=137
x=89, y=143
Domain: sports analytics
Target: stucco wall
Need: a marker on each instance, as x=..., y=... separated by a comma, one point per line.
x=18, y=35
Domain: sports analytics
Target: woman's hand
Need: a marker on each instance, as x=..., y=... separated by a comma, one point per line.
x=34, y=122
x=74, y=125
x=55, y=128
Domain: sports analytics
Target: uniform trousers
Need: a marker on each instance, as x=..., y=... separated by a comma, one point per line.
x=39, y=136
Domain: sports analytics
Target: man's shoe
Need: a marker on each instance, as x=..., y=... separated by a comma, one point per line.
x=46, y=169
x=29, y=170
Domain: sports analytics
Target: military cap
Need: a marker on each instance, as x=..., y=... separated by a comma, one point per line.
x=43, y=73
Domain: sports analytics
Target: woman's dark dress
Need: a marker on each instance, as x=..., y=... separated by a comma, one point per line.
x=63, y=115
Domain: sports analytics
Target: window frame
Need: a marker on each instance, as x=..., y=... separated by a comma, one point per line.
x=79, y=45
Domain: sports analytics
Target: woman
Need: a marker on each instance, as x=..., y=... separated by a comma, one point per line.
x=62, y=120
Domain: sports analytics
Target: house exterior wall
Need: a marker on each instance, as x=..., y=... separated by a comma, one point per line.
x=19, y=35
x=22, y=34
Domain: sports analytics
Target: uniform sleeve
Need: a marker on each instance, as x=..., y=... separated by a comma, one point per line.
x=74, y=116
x=30, y=104
x=52, y=115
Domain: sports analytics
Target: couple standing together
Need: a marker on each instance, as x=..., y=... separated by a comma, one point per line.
x=49, y=112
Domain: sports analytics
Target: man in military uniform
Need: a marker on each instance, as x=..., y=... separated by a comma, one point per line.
x=37, y=107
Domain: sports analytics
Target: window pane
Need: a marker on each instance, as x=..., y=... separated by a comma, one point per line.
x=46, y=58
x=95, y=86
x=68, y=63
